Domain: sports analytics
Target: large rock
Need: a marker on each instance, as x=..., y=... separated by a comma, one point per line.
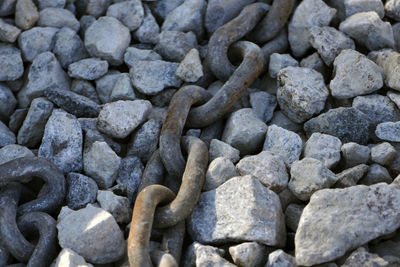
x=36, y=41
x=68, y=47
x=11, y=66
x=338, y=220
x=241, y=209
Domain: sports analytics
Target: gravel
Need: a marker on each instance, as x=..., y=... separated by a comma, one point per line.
x=11, y=66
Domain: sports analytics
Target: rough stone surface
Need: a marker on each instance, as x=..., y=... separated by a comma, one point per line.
x=355, y=154
x=389, y=61
x=88, y=69
x=190, y=69
x=118, y=119
x=361, y=257
x=292, y=215
x=244, y=131
x=36, y=41
x=314, y=62
x=396, y=33
x=151, y=77
x=145, y=140
x=219, y=171
x=85, y=88
x=149, y=30
x=11, y=65
x=123, y=89
x=97, y=8
x=7, y=102
x=32, y=129
x=62, y=141
x=280, y=61
x=163, y=7
x=376, y=174
x=133, y=55
x=325, y=232
x=10, y=152
x=105, y=85
x=248, y=254
x=383, y=153
x=351, y=176
x=107, y=38
x=281, y=120
x=203, y=255
x=130, y=174
x=16, y=119
x=392, y=8
x=308, y=176
x=130, y=13
x=221, y=149
x=77, y=230
x=263, y=105
x=81, y=190
x=174, y=45
x=352, y=7
x=69, y=258
x=118, y=206
x=369, y=30
x=51, y=3
x=323, y=147
x=58, y=18
x=68, y=47
x=301, y=93
x=6, y=136
x=388, y=131
x=102, y=164
x=279, y=258
x=26, y=14
x=284, y=143
x=8, y=32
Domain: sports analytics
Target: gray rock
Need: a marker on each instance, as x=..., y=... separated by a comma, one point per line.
x=118, y=206
x=284, y=143
x=92, y=135
x=77, y=229
x=368, y=212
x=44, y=73
x=145, y=140
x=376, y=174
x=307, y=14
x=280, y=61
x=6, y=136
x=355, y=154
x=86, y=21
x=58, y=18
x=383, y=153
x=107, y=38
x=130, y=13
x=3, y=252
x=308, y=176
x=151, y=77
x=279, y=258
x=36, y=41
x=88, y=69
x=7, y=7
x=11, y=65
x=219, y=171
x=221, y=149
x=130, y=174
x=163, y=98
x=123, y=89
x=62, y=141
x=257, y=215
x=8, y=32
x=85, y=88
x=81, y=190
x=16, y=119
x=105, y=85
x=394, y=97
x=190, y=69
x=248, y=254
x=351, y=176
x=10, y=152
x=188, y=17
x=329, y=42
x=263, y=105
x=68, y=47
x=7, y=102
x=348, y=124
x=244, y=131
x=281, y=120
x=102, y=164
x=69, y=258
x=396, y=34
x=301, y=93
x=389, y=247
x=368, y=30
x=194, y=132
x=356, y=6
x=162, y=8
x=174, y=45
x=32, y=129
x=323, y=147
x=314, y=62
x=389, y=61
x=392, y=9
x=360, y=257
x=119, y=119
x=203, y=255
x=286, y=197
x=97, y=8
x=133, y=55
x=51, y=3
x=292, y=215
x=388, y=131
x=149, y=30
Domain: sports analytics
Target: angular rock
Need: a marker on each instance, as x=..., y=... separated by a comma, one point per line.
x=281, y=120
x=77, y=230
x=219, y=171
x=388, y=131
x=16, y=119
x=190, y=69
x=280, y=61
x=51, y=3
x=62, y=141
x=325, y=148
x=32, y=129
x=8, y=33
x=105, y=85
x=81, y=190
x=248, y=254
x=314, y=62
x=351, y=176
x=257, y=215
x=356, y=6
x=308, y=176
x=389, y=61
x=221, y=149
x=244, y=131
x=69, y=258
x=10, y=152
x=92, y=135
x=383, y=153
x=263, y=105
x=7, y=102
x=202, y=255
x=325, y=232
x=86, y=21
x=174, y=45
x=88, y=69
x=355, y=154
x=360, y=257
x=145, y=140
x=376, y=174
x=107, y=38
x=301, y=93
x=392, y=8
x=68, y=47
x=118, y=206
x=130, y=13
x=85, y=88
x=97, y=8
x=36, y=41
x=151, y=77
x=149, y=30
x=133, y=55
x=123, y=89
x=6, y=136
x=11, y=65
x=58, y=18
x=284, y=143
x=119, y=119
x=279, y=258
x=292, y=215
x=130, y=174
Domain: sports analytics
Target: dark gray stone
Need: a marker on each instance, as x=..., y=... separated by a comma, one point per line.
x=6, y=136
x=16, y=119
x=85, y=88
x=88, y=69
x=7, y=7
x=11, y=65
x=123, y=89
x=97, y=8
x=162, y=8
x=145, y=140
x=133, y=55
x=174, y=45
x=51, y=3
x=81, y=190
x=58, y=18
x=105, y=85
x=376, y=174
x=7, y=102
x=149, y=30
x=351, y=176
x=11, y=152
x=392, y=8
x=36, y=41
x=68, y=47
x=130, y=174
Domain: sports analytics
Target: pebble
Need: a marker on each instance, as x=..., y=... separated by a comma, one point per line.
x=145, y=140
x=356, y=6
x=392, y=9
x=188, y=17
x=261, y=218
x=85, y=88
x=369, y=212
x=308, y=176
x=107, y=38
x=26, y=14
x=190, y=68
x=361, y=257
x=68, y=47
x=88, y=69
x=279, y=258
x=7, y=102
x=77, y=229
x=222, y=149
x=389, y=61
x=123, y=89
x=383, y=153
x=244, y=131
x=130, y=13
x=219, y=171
x=62, y=141
x=105, y=85
x=292, y=215
x=133, y=55
x=376, y=174
x=119, y=119
x=11, y=65
x=151, y=77
x=280, y=61
x=203, y=255
x=129, y=175
x=118, y=206
x=325, y=148
x=388, y=131
x=301, y=93
x=351, y=176
x=8, y=33
x=32, y=129
x=174, y=45
x=13, y=151
x=348, y=124
x=355, y=154
x=263, y=105
x=307, y=14
x=51, y=3
x=16, y=119
x=81, y=190
x=69, y=258
x=284, y=143
x=6, y=136
x=58, y=18
x=369, y=30
x=248, y=254
x=149, y=30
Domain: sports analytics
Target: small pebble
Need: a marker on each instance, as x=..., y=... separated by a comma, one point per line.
x=68, y=47
x=149, y=30
x=356, y=6
x=105, y=85
x=355, y=154
x=389, y=61
x=351, y=176
x=6, y=136
x=279, y=258
x=133, y=55
x=145, y=140
x=130, y=174
x=123, y=89
x=263, y=105
x=292, y=215
x=69, y=258
x=88, y=69
x=7, y=102
x=36, y=41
